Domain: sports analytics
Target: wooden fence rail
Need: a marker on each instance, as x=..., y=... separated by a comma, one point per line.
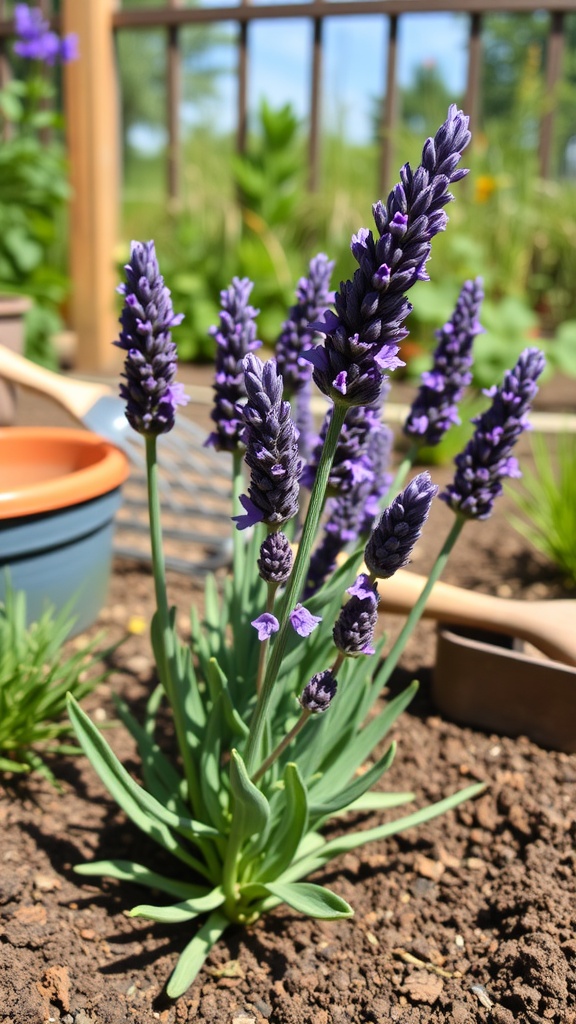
x=91, y=101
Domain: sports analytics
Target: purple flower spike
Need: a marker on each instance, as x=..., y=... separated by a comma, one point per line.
x=303, y=621
x=275, y=561
x=271, y=447
x=354, y=629
x=319, y=692
x=487, y=458
x=391, y=543
x=363, y=337
x=150, y=392
x=265, y=625
x=435, y=409
x=312, y=296
x=235, y=337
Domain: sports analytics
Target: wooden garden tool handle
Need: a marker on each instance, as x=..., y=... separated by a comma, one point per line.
x=446, y=603
x=77, y=396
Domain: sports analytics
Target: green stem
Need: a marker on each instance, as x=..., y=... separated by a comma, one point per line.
x=294, y=585
x=282, y=745
x=237, y=536
x=272, y=588
x=400, y=476
x=416, y=612
x=168, y=669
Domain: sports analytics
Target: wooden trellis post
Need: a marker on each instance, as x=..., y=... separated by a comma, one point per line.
x=92, y=124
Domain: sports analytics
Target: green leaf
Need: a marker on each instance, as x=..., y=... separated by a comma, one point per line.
x=193, y=957
x=219, y=685
x=312, y=900
x=353, y=840
x=286, y=839
x=355, y=752
x=130, y=871
x=251, y=808
x=143, y=809
x=210, y=777
x=179, y=912
x=379, y=801
x=356, y=789
x=161, y=778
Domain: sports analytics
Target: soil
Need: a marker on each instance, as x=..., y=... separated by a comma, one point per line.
x=469, y=918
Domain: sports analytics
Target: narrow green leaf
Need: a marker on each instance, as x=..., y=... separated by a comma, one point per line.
x=356, y=789
x=179, y=912
x=355, y=752
x=219, y=686
x=160, y=776
x=193, y=956
x=130, y=871
x=353, y=840
x=251, y=808
x=379, y=801
x=286, y=839
x=312, y=900
x=210, y=777
x=143, y=809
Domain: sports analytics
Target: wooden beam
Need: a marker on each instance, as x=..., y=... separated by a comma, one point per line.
x=92, y=124
x=389, y=122
x=554, y=55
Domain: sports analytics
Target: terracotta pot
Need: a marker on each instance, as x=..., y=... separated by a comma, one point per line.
x=60, y=489
x=12, y=311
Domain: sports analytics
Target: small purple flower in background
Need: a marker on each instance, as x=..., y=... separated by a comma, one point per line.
x=36, y=41
x=235, y=337
x=400, y=526
x=352, y=462
x=352, y=514
x=303, y=621
x=150, y=365
x=487, y=458
x=354, y=628
x=265, y=625
x=275, y=561
x=319, y=693
x=363, y=336
x=435, y=408
x=271, y=448
x=312, y=296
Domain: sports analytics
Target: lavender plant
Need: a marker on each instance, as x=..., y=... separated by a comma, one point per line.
x=277, y=702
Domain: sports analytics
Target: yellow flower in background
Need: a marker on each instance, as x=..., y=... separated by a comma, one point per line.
x=137, y=625
x=485, y=187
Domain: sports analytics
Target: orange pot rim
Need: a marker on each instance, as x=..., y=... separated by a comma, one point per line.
x=108, y=471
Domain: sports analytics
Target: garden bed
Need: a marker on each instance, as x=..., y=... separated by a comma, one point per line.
x=466, y=919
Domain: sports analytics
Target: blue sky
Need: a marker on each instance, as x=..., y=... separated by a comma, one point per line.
x=354, y=66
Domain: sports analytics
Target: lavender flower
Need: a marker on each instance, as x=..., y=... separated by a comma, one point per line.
x=391, y=543
x=271, y=448
x=36, y=41
x=354, y=629
x=312, y=296
x=275, y=561
x=435, y=408
x=303, y=621
x=265, y=625
x=362, y=338
x=235, y=337
x=486, y=460
x=150, y=365
x=319, y=693
x=352, y=462
x=352, y=513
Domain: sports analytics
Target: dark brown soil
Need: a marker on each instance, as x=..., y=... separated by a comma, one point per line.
x=467, y=919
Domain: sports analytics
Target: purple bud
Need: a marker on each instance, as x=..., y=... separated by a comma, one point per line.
x=391, y=543
x=275, y=562
x=354, y=629
x=271, y=447
x=319, y=693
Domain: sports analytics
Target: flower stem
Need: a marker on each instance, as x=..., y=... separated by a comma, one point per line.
x=416, y=612
x=167, y=667
x=285, y=742
x=272, y=588
x=295, y=584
